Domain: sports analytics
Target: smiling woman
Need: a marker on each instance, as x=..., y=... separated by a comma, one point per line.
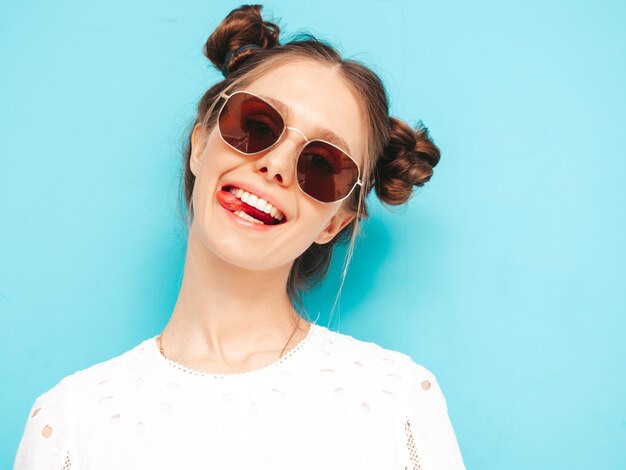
x=280, y=159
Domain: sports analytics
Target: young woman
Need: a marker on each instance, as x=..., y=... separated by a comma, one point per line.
x=281, y=157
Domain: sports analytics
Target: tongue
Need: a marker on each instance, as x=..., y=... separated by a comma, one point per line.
x=229, y=201
x=232, y=203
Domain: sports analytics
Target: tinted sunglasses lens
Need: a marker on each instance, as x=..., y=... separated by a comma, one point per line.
x=325, y=172
x=249, y=124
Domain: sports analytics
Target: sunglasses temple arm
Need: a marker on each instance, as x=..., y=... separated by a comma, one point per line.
x=214, y=104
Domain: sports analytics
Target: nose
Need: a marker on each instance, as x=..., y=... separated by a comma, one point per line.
x=279, y=162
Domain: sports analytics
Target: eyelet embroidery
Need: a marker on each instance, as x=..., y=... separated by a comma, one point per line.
x=253, y=410
x=46, y=432
x=67, y=465
x=411, y=447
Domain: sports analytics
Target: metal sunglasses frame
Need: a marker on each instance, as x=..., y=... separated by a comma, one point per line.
x=280, y=137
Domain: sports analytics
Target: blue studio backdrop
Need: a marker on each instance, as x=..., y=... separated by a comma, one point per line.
x=504, y=275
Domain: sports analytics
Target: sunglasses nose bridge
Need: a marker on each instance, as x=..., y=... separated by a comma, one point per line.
x=279, y=160
x=298, y=131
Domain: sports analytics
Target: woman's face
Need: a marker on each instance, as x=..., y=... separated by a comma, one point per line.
x=317, y=99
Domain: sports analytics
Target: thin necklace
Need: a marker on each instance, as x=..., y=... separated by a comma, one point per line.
x=281, y=353
x=292, y=333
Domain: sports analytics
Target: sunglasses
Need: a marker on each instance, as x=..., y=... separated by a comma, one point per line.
x=250, y=125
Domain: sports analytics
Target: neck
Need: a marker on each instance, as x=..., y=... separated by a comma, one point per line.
x=226, y=316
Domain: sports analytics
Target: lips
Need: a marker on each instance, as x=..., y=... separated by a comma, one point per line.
x=232, y=203
x=254, y=197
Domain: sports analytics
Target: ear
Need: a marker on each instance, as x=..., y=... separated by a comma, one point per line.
x=198, y=141
x=335, y=225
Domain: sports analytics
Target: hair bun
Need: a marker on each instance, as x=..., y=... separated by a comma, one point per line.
x=407, y=161
x=242, y=26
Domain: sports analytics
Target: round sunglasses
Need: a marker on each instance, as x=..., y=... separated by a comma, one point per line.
x=250, y=125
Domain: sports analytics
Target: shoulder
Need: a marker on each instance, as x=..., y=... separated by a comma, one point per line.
x=420, y=405
x=53, y=420
x=397, y=371
x=72, y=387
x=371, y=353
x=118, y=368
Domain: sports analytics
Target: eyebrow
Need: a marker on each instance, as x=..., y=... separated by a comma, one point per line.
x=322, y=133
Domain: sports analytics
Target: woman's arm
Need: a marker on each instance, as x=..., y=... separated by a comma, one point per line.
x=45, y=444
x=430, y=439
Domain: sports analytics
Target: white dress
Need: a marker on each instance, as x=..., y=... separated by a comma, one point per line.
x=331, y=402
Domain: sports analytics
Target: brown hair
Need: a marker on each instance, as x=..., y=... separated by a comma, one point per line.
x=397, y=158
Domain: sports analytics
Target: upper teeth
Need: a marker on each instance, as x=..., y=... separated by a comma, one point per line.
x=258, y=202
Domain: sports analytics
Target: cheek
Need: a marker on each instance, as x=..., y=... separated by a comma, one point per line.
x=314, y=218
x=217, y=159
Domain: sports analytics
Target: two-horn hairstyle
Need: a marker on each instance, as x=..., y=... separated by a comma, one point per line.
x=396, y=159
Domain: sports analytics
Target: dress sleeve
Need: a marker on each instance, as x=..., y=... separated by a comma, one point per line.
x=431, y=443
x=47, y=437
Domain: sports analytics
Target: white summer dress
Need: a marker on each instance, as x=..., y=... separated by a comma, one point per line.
x=331, y=402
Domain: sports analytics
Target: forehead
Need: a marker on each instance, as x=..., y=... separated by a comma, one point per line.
x=315, y=99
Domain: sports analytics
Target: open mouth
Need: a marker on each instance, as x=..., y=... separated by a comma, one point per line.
x=249, y=206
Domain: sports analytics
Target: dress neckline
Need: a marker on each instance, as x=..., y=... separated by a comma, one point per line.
x=298, y=347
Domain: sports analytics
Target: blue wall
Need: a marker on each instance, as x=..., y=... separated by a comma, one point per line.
x=504, y=275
